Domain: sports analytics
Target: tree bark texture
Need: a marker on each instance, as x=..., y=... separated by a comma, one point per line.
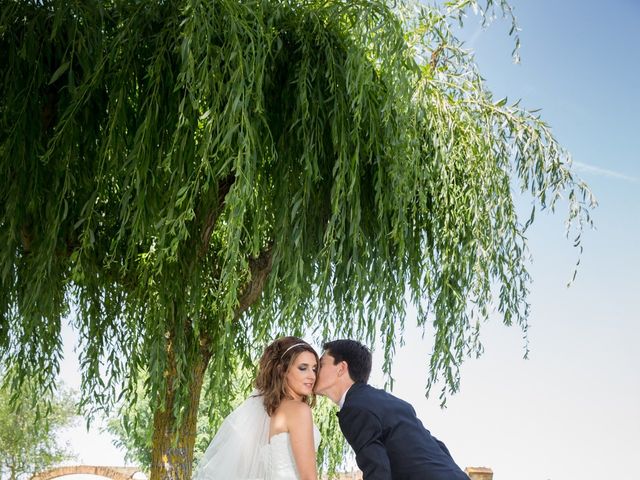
x=172, y=454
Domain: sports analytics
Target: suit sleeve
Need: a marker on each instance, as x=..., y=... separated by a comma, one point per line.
x=443, y=447
x=440, y=444
x=363, y=431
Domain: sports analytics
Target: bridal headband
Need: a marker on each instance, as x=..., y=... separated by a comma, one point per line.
x=293, y=346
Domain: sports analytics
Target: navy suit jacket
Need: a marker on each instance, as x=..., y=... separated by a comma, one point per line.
x=390, y=441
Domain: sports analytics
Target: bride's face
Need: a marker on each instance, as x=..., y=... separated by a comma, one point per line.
x=301, y=375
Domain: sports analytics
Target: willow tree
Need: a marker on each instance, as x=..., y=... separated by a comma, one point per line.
x=193, y=177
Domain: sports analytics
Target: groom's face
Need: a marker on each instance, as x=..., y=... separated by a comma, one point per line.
x=327, y=374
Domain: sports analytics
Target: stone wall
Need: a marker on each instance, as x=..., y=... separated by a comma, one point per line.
x=114, y=473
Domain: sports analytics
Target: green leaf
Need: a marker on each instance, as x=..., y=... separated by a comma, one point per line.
x=61, y=69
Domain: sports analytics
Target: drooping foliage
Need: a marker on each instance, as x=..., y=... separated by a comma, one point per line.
x=194, y=177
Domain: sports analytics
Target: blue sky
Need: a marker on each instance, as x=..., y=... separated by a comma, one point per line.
x=571, y=410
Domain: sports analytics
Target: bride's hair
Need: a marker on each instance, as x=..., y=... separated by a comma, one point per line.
x=271, y=381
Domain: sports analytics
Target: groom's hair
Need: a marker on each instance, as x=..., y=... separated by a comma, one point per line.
x=357, y=356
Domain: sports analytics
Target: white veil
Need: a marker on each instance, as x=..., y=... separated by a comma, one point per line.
x=237, y=450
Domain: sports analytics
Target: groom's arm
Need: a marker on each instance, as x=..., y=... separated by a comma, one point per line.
x=363, y=431
x=443, y=447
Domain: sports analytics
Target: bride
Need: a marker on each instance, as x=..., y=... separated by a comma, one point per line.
x=271, y=435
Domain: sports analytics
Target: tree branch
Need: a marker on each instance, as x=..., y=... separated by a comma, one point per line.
x=260, y=268
x=212, y=216
x=435, y=56
x=27, y=238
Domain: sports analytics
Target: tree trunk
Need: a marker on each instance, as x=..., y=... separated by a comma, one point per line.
x=172, y=451
x=172, y=454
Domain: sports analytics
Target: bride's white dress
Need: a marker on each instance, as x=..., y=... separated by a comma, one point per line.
x=280, y=464
x=242, y=450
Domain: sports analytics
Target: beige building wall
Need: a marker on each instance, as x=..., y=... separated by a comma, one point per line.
x=479, y=473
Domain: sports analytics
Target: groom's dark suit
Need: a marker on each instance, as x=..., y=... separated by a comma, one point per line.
x=390, y=441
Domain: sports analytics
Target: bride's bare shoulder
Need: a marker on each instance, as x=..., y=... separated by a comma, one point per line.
x=288, y=413
x=295, y=408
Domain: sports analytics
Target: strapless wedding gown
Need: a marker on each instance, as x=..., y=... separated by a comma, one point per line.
x=278, y=455
x=242, y=450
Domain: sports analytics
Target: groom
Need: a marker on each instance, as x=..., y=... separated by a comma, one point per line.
x=389, y=440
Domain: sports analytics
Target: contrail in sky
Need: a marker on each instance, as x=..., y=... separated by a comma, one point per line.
x=604, y=172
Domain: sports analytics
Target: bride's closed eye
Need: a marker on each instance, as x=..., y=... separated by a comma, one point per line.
x=304, y=368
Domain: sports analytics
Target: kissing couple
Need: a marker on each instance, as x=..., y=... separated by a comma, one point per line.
x=271, y=435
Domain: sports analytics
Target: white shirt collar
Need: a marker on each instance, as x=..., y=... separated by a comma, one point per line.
x=344, y=395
